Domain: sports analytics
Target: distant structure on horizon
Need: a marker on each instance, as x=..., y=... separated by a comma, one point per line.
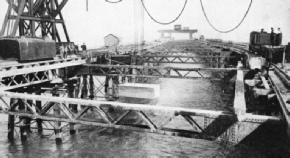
x=201, y=38
x=178, y=29
x=111, y=40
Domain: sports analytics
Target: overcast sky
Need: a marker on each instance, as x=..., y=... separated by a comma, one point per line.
x=104, y=18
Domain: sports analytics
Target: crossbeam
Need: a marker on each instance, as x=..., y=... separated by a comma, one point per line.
x=175, y=58
x=154, y=71
x=161, y=67
x=97, y=103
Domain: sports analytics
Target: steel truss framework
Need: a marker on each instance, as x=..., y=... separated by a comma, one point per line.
x=213, y=59
x=203, y=124
x=29, y=16
x=180, y=53
x=180, y=50
x=154, y=71
x=21, y=75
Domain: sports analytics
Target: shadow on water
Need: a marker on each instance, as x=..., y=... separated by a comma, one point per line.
x=269, y=139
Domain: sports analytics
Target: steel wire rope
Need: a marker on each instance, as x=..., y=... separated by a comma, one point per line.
x=164, y=23
x=230, y=29
x=113, y=1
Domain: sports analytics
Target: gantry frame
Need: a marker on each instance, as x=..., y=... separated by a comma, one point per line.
x=34, y=18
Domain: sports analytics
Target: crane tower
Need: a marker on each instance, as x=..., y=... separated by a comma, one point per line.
x=37, y=18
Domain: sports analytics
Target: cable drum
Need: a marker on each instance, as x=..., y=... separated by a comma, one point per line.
x=203, y=10
x=164, y=23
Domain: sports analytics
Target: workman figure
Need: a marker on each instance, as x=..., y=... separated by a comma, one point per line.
x=272, y=37
x=84, y=47
x=262, y=31
x=278, y=37
x=65, y=52
x=61, y=51
x=27, y=34
x=68, y=49
x=269, y=57
x=72, y=48
x=76, y=49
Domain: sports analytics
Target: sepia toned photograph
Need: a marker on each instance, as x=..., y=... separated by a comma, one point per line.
x=144, y=78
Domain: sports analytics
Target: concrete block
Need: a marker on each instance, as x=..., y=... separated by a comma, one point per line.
x=256, y=62
x=138, y=90
x=259, y=91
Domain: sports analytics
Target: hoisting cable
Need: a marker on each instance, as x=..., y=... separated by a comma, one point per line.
x=87, y=5
x=164, y=23
x=114, y=1
x=230, y=29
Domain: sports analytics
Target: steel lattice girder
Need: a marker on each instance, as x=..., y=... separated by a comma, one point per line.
x=179, y=53
x=20, y=75
x=154, y=71
x=169, y=59
x=216, y=124
x=181, y=59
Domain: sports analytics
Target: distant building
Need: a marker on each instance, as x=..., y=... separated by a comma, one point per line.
x=201, y=38
x=111, y=40
x=177, y=27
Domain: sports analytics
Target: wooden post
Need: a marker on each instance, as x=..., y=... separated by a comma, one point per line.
x=283, y=58
x=115, y=87
x=73, y=93
x=126, y=78
x=288, y=131
x=72, y=106
x=217, y=60
x=110, y=89
x=23, y=122
x=120, y=79
x=146, y=71
x=28, y=119
x=210, y=61
x=39, y=107
x=11, y=120
x=57, y=124
x=92, y=85
x=133, y=62
x=23, y=129
x=85, y=87
x=77, y=93
x=11, y=125
x=134, y=79
x=30, y=90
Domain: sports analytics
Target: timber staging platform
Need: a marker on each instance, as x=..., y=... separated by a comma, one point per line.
x=70, y=83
